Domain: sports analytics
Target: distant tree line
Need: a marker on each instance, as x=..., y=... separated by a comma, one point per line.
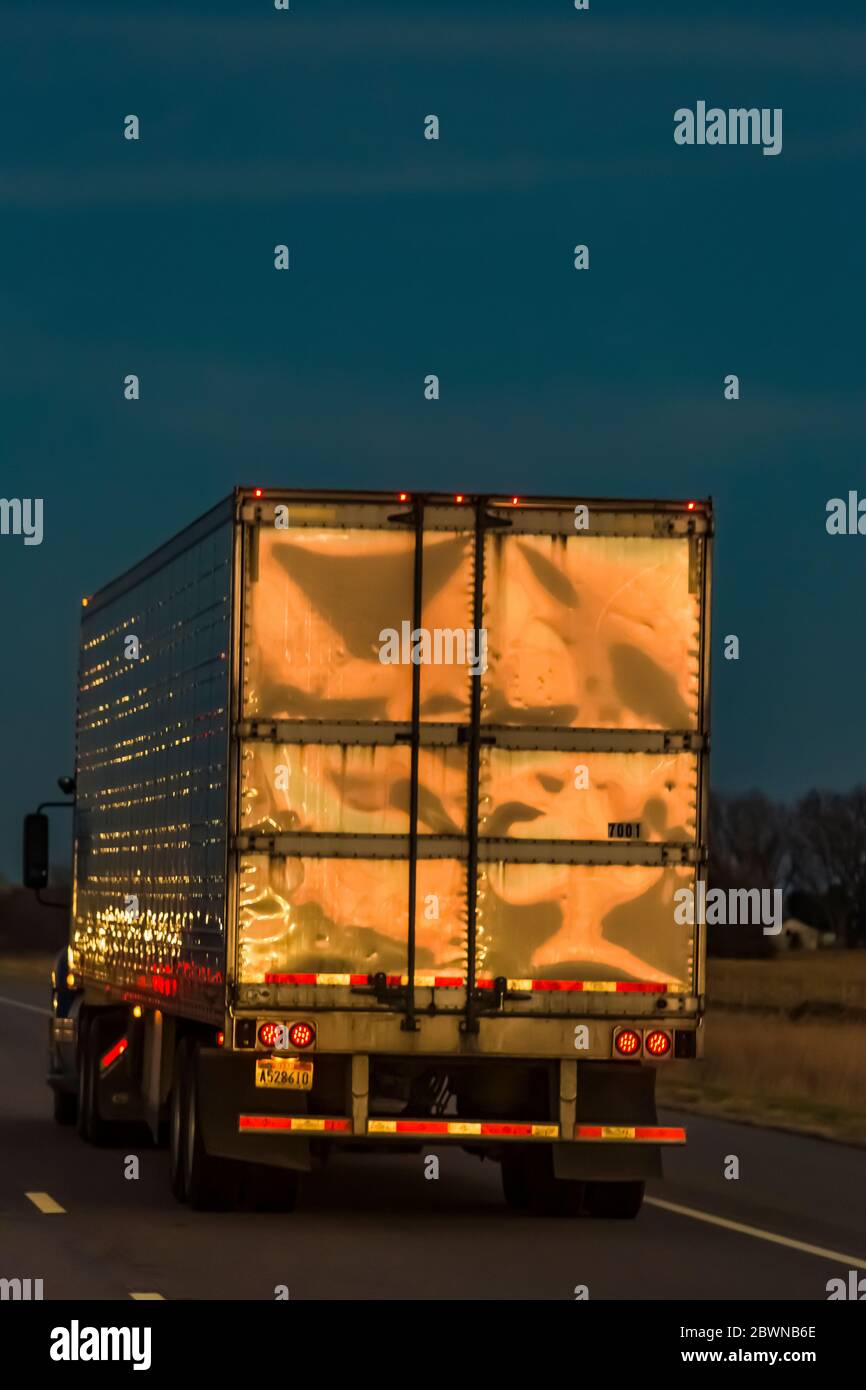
x=814, y=850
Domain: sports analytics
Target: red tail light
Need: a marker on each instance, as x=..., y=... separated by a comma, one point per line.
x=657, y=1043
x=302, y=1034
x=627, y=1042
x=272, y=1034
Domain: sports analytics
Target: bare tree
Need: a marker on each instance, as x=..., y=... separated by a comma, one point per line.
x=828, y=848
x=749, y=842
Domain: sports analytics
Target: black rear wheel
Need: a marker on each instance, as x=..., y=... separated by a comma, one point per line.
x=515, y=1181
x=177, y=1127
x=548, y=1194
x=65, y=1107
x=618, y=1201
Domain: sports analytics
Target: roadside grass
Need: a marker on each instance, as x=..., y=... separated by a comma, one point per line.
x=785, y=1045
x=805, y=981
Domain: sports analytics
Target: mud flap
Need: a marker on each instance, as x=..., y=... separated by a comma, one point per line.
x=227, y=1089
x=607, y=1162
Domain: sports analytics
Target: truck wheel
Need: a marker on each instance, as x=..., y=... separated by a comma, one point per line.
x=549, y=1195
x=84, y=1077
x=515, y=1181
x=616, y=1200
x=264, y=1188
x=177, y=1128
x=212, y=1184
x=65, y=1107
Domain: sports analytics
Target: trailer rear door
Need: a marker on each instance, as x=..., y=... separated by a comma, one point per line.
x=471, y=749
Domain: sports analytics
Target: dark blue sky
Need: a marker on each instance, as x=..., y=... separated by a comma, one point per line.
x=454, y=257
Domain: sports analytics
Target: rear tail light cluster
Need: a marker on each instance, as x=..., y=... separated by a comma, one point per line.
x=628, y=1042
x=283, y=1036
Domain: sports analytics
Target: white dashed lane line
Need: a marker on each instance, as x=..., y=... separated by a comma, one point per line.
x=756, y=1231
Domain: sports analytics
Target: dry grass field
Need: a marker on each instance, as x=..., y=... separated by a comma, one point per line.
x=785, y=1045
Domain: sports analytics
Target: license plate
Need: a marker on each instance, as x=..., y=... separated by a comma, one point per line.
x=284, y=1073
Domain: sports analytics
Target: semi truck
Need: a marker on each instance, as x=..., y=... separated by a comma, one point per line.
x=383, y=807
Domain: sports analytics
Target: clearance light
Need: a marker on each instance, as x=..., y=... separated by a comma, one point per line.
x=301, y=1034
x=272, y=1034
x=70, y=981
x=113, y=1053
x=136, y=1013
x=84, y=602
x=657, y=1043
x=627, y=1042
x=220, y=1039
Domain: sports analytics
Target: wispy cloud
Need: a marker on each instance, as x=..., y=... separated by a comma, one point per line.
x=265, y=38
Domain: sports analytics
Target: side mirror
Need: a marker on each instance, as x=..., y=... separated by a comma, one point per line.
x=35, y=868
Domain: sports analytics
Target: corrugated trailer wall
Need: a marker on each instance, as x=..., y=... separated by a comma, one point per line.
x=151, y=765
x=589, y=740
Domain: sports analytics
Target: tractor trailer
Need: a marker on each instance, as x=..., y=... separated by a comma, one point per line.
x=384, y=806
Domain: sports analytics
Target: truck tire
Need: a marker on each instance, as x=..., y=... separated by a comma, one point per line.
x=65, y=1107
x=91, y=1125
x=548, y=1194
x=177, y=1128
x=264, y=1188
x=515, y=1181
x=619, y=1201
x=84, y=1079
x=212, y=1184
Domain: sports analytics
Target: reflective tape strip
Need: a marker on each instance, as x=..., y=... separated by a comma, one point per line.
x=643, y=1134
x=482, y=1129
x=305, y=1124
x=487, y=982
x=113, y=1054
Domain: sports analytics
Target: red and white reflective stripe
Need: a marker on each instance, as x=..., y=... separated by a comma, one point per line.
x=304, y=1124
x=642, y=1134
x=519, y=986
x=483, y=1129
x=113, y=1054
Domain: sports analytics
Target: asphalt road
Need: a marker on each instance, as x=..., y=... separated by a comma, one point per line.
x=375, y=1228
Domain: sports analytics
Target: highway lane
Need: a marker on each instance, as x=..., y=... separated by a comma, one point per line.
x=376, y=1228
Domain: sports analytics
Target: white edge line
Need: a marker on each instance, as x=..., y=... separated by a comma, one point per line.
x=31, y=1008
x=756, y=1232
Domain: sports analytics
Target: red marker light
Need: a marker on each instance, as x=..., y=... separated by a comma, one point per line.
x=257, y=492
x=690, y=506
x=514, y=501
x=301, y=1034
x=113, y=1053
x=627, y=1042
x=220, y=1039
x=459, y=497
x=404, y=497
